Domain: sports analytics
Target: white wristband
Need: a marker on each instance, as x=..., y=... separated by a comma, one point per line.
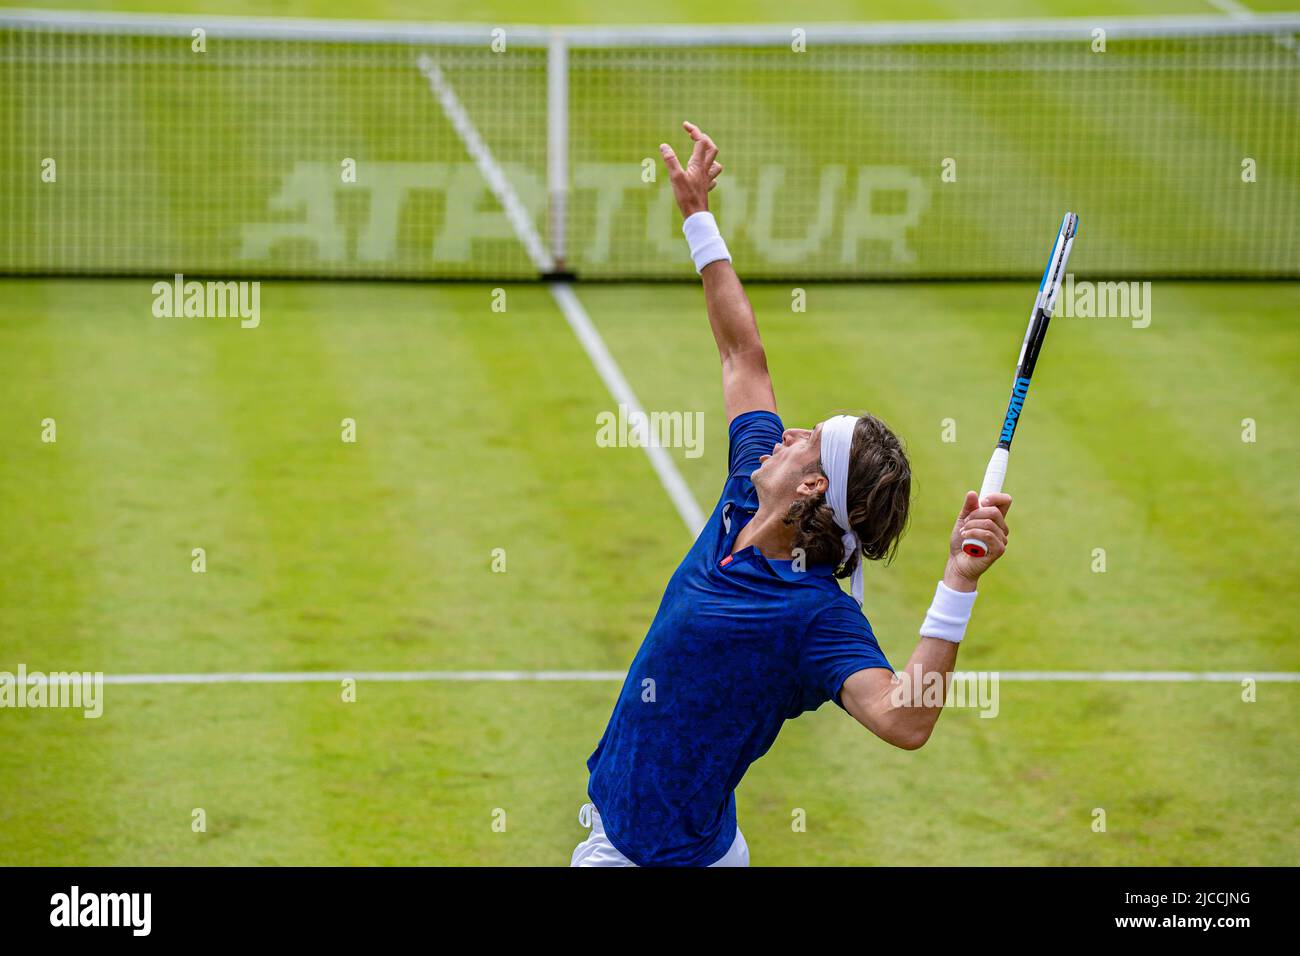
x=702, y=235
x=949, y=614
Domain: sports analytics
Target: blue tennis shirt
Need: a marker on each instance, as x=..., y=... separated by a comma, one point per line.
x=735, y=650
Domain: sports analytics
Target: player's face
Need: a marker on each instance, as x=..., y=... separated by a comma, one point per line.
x=788, y=465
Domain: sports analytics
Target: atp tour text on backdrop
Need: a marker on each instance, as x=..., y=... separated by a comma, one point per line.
x=180, y=299
x=75, y=690
x=858, y=208
x=631, y=428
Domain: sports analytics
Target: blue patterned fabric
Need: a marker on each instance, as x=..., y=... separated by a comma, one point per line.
x=734, y=651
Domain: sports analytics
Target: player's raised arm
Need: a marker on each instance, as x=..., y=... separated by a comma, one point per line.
x=890, y=706
x=746, y=383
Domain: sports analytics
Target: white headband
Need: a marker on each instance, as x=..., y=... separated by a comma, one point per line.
x=837, y=440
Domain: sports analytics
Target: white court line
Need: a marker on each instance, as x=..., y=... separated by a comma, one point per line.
x=622, y=393
x=1141, y=677
x=518, y=215
x=562, y=292
x=434, y=677
x=1232, y=8
x=1239, y=11
x=390, y=677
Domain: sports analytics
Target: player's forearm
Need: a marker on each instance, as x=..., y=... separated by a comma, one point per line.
x=746, y=384
x=903, y=708
x=915, y=701
x=730, y=315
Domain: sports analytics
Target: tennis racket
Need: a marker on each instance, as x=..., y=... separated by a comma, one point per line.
x=1029, y=349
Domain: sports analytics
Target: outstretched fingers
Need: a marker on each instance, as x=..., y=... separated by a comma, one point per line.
x=670, y=158
x=705, y=152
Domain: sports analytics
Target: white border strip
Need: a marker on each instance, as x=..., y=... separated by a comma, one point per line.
x=557, y=145
x=951, y=31
x=829, y=34
x=431, y=677
x=1232, y=9
x=621, y=391
x=1244, y=14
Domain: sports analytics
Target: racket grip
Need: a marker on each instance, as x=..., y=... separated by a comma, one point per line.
x=994, y=475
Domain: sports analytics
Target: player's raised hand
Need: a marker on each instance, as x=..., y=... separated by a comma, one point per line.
x=692, y=183
x=986, y=522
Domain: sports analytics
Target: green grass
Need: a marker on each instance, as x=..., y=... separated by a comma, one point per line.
x=1132, y=443
x=476, y=431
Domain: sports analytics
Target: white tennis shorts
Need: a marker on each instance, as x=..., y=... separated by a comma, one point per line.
x=596, y=850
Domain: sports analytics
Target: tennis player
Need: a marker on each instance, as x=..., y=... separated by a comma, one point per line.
x=754, y=628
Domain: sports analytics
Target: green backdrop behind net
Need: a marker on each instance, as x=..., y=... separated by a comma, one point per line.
x=954, y=157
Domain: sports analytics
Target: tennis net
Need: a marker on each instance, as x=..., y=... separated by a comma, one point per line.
x=134, y=145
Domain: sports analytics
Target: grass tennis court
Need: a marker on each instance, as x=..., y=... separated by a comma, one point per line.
x=475, y=431
x=476, y=525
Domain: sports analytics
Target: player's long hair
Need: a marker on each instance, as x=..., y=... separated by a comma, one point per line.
x=879, y=496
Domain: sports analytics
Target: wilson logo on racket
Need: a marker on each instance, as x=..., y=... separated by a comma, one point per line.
x=1018, y=393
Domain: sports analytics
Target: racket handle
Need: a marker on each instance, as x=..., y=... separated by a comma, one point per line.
x=993, y=478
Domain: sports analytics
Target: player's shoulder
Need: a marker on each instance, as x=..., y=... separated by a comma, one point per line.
x=758, y=419
x=834, y=611
x=751, y=435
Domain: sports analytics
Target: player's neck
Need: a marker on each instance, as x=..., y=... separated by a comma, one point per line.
x=768, y=532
